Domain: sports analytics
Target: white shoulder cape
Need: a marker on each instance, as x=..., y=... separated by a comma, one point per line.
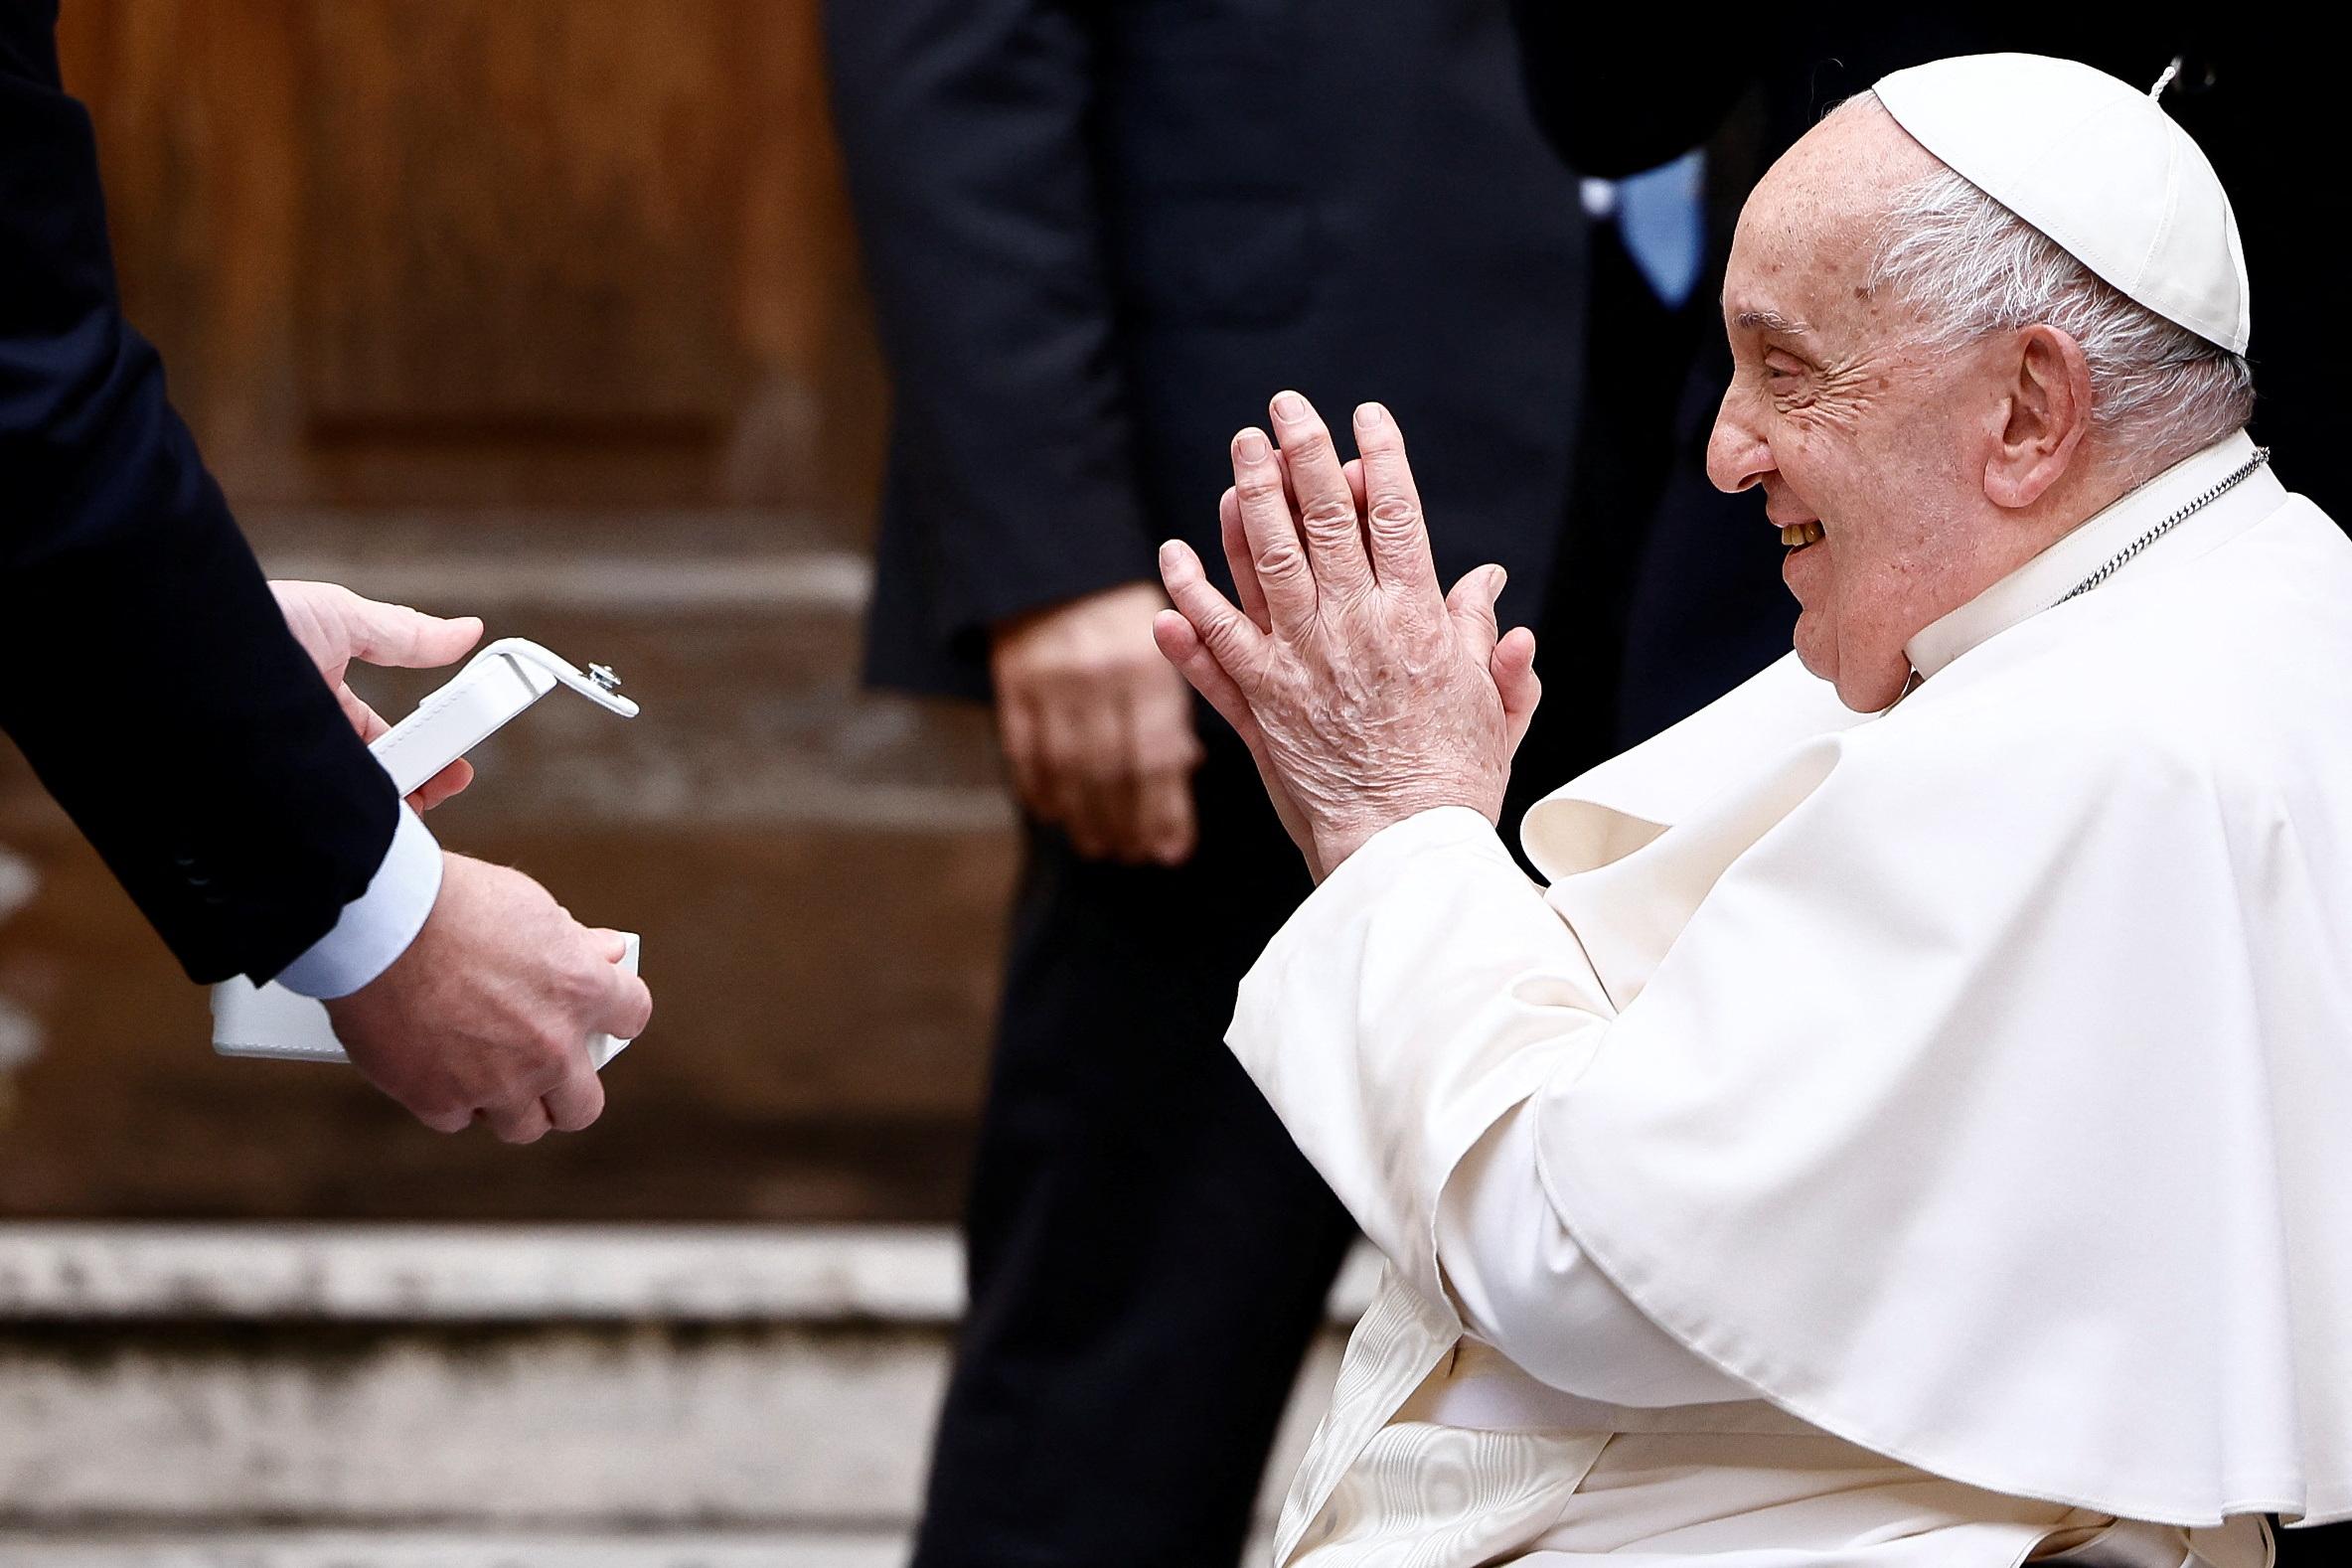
x=1981, y=1085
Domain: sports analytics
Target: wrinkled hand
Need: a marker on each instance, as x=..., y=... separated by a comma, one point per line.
x=334, y=626
x=487, y=1015
x=1365, y=695
x=1096, y=728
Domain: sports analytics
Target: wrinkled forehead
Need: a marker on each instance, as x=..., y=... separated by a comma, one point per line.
x=1808, y=233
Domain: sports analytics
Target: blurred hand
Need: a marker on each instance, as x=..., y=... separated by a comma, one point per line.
x=1097, y=728
x=336, y=626
x=487, y=1015
x=1366, y=694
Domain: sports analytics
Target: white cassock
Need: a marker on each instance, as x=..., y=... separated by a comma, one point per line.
x=1912, y=1138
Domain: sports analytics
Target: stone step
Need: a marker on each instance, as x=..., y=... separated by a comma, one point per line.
x=408, y=1395
x=745, y=664
x=742, y=648
x=574, y=1426
x=818, y=1052
x=54, y=1272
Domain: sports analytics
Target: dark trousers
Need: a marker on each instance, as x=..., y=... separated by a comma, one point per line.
x=1149, y=1253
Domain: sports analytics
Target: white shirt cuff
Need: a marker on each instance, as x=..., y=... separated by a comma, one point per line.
x=377, y=926
x=1389, y=849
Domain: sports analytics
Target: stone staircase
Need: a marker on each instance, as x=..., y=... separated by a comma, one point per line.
x=559, y=1397
x=252, y=1317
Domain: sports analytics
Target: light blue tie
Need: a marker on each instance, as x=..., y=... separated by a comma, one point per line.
x=1661, y=217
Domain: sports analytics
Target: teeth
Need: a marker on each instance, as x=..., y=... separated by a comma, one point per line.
x=1800, y=534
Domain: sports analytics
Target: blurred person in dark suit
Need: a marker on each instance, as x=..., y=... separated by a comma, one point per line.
x=1709, y=598
x=1099, y=237
x=175, y=706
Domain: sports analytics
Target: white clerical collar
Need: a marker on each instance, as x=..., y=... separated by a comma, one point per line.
x=2042, y=581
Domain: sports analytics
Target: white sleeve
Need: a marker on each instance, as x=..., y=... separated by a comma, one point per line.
x=377, y=926
x=1522, y=1284
x=1398, y=1024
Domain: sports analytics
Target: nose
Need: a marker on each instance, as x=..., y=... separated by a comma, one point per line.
x=1737, y=455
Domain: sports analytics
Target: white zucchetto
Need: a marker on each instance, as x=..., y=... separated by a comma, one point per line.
x=2094, y=164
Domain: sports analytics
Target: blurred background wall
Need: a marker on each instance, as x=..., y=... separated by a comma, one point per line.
x=544, y=310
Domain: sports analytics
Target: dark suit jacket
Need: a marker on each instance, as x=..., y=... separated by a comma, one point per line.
x=1102, y=232
x=153, y=684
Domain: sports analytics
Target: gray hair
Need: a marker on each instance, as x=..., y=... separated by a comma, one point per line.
x=2158, y=392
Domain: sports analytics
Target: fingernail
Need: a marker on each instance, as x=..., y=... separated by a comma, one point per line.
x=1250, y=446
x=1170, y=553
x=1502, y=577
x=1290, y=406
x=1368, y=416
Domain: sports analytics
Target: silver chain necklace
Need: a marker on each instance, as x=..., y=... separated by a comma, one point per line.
x=2124, y=556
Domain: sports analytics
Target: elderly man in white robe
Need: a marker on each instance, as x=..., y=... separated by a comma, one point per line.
x=1906, y=1131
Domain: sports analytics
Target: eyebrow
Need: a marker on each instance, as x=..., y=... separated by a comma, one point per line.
x=1768, y=321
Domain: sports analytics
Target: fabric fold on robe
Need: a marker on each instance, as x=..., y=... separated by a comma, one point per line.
x=1966, y=1078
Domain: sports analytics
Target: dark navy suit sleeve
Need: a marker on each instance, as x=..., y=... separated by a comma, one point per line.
x=966, y=126
x=152, y=683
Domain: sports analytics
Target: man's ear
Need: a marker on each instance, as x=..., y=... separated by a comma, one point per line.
x=2048, y=414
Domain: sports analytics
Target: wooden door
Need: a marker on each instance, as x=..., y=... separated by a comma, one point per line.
x=540, y=252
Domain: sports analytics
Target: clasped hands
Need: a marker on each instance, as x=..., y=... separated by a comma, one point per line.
x=1365, y=695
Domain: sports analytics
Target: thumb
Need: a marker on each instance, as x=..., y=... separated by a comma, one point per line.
x=1515, y=681
x=1471, y=604
x=398, y=637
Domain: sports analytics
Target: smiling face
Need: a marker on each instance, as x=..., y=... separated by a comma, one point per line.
x=1841, y=412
